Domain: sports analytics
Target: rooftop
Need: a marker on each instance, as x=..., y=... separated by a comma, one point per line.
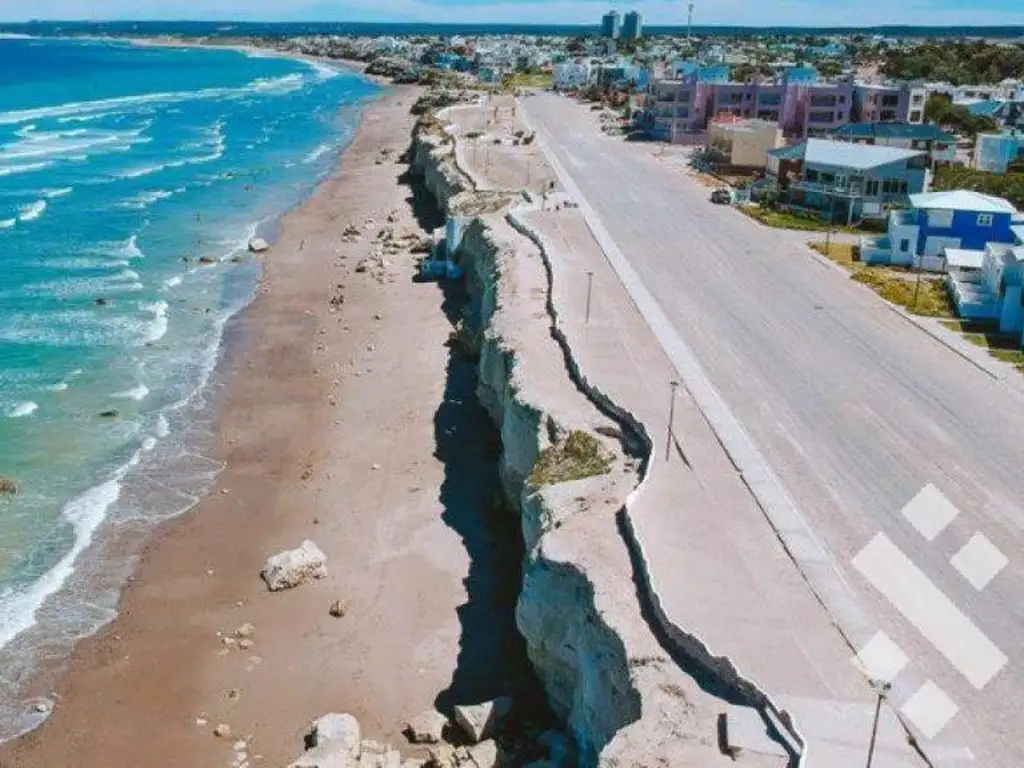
x=843, y=154
x=962, y=200
x=926, y=131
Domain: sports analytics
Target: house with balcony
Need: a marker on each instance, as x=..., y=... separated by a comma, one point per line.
x=847, y=183
x=937, y=224
x=940, y=146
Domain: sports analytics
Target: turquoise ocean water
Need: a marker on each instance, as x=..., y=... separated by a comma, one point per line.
x=120, y=167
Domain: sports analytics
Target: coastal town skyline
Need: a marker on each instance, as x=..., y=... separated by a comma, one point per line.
x=798, y=13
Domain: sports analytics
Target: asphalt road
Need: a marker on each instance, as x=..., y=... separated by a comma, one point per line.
x=855, y=408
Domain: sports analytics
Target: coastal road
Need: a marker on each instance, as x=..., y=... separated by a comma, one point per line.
x=855, y=408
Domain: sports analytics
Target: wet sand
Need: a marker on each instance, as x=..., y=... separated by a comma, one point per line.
x=344, y=423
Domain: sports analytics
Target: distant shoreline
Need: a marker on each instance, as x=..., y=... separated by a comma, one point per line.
x=248, y=30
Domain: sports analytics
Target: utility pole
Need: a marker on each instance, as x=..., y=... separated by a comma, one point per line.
x=828, y=227
x=674, y=385
x=590, y=290
x=881, y=689
x=689, y=21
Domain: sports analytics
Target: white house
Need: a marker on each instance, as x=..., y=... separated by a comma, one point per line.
x=986, y=285
x=572, y=75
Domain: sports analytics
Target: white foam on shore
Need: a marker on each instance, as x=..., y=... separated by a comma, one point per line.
x=18, y=608
x=317, y=153
x=172, y=282
x=131, y=250
x=157, y=327
x=137, y=392
x=33, y=211
x=21, y=410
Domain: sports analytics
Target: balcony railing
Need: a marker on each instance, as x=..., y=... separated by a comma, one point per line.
x=854, y=189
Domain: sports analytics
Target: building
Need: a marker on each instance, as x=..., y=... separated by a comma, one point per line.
x=936, y=223
x=996, y=152
x=572, y=75
x=889, y=103
x=940, y=146
x=632, y=26
x=743, y=143
x=611, y=25
x=986, y=285
x=847, y=182
x=802, y=104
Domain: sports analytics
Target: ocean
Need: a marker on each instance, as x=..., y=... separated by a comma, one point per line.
x=131, y=180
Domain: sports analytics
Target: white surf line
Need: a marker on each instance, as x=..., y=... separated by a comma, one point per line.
x=813, y=560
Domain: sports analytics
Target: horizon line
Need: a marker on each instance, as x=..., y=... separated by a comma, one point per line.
x=524, y=25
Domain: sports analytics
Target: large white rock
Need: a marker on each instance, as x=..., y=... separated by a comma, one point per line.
x=258, y=245
x=426, y=728
x=330, y=754
x=479, y=720
x=294, y=566
x=336, y=728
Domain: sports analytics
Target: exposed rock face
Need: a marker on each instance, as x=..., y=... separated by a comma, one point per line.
x=480, y=720
x=485, y=755
x=426, y=728
x=294, y=567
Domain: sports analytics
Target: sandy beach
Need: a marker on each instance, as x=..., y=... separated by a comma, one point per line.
x=344, y=421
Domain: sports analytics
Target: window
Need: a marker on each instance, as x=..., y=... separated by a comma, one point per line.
x=871, y=190
x=915, y=116
x=904, y=245
x=984, y=219
x=683, y=112
x=939, y=219
x=684, y=97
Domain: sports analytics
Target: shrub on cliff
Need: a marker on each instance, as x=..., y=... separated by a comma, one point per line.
x=7, y=486
x=580, y=455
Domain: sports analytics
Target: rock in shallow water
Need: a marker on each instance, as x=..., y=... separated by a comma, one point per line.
x=258, y=245
x=294, y=567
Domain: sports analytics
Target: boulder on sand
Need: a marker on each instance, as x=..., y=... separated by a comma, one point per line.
x=340, y=728
x=258, y=245
x=426, y=728
x=294, y=567
x=479, y=720
x=327, y=755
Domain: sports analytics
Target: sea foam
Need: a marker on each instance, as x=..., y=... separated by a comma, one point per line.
x=33, y=211
x=21, y=410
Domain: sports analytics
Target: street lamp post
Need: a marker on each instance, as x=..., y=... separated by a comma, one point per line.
x=590, y=289
x=674, y=385
x=881, y=690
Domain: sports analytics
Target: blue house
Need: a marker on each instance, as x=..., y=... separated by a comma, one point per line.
x=959, y=220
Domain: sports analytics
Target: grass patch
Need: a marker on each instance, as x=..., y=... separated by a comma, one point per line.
x=841, y=253
x=932, y=299
x=580, y=455
x=537, y=80
x=806, y=222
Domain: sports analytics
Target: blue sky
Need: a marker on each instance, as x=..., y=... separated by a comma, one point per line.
x=736, y=12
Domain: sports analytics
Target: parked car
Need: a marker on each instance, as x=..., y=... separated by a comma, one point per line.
x=721, y=196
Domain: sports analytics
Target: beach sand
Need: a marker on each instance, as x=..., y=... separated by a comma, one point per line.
x=346, y=425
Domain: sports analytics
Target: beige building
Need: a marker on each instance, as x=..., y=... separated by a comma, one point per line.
x=744, y=143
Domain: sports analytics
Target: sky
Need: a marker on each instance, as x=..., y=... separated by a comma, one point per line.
x=728, y=12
